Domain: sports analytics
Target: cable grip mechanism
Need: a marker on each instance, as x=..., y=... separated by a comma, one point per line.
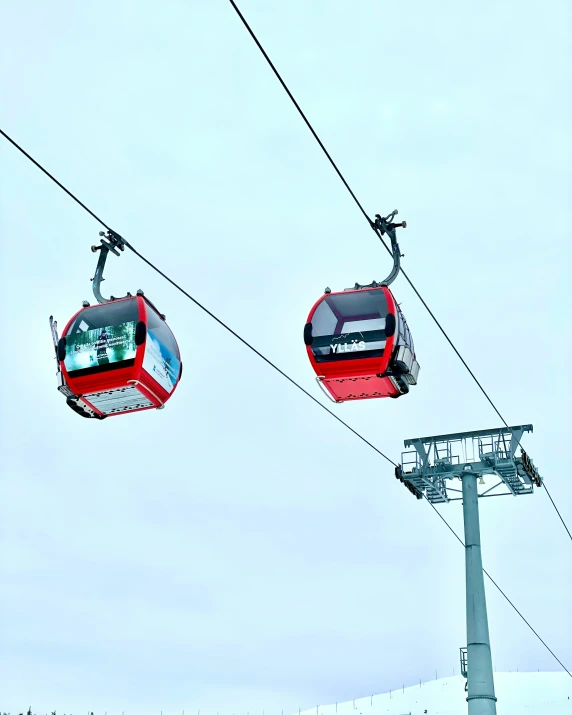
x=385, y=225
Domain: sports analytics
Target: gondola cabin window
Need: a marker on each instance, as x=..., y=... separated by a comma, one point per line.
x=349, y=326
x=102, y=338
x=162, y=359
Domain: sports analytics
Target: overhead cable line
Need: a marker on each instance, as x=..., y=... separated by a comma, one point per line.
x=263, y=357
x=260, y=355
x=370, y=222
x=495, y=584
x=375, y=229
x=53, y=178
x=198, y=304
x=304, y=117
x=557, y=510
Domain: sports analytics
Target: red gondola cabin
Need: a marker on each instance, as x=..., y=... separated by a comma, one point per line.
x=118, y=357
x=360, y=346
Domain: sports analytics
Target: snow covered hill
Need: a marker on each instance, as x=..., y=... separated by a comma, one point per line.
x=517, y=694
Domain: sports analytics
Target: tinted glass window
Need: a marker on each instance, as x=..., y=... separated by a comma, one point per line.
x=104, y=316
x=324, y=321
x=102, y=338
x=404, y=332
x=161, y=331
x=350, y=325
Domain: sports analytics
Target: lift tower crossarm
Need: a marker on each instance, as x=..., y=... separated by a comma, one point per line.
x=441, y=458
x=466, y=435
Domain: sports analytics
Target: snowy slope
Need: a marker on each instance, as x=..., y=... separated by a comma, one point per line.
x=517, y=694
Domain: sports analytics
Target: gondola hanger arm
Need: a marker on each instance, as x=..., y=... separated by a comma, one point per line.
x=113, y=242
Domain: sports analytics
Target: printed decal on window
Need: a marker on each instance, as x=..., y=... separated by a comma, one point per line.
x=160, y=362
x=101, y=346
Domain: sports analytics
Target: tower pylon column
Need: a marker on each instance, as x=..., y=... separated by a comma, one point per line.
x=481, y=689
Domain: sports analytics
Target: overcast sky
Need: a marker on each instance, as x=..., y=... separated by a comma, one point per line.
x=241, y=550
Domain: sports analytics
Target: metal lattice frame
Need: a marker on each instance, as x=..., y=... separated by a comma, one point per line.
x=428, y=468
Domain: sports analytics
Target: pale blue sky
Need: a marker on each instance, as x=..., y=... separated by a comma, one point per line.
x=240, y=550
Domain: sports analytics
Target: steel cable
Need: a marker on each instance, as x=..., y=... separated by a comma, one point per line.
x=372, y=225
x=263, y=357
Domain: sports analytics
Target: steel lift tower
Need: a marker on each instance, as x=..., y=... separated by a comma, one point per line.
x=428, y=472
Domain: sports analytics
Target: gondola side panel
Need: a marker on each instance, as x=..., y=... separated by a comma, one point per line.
x=161, y=363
